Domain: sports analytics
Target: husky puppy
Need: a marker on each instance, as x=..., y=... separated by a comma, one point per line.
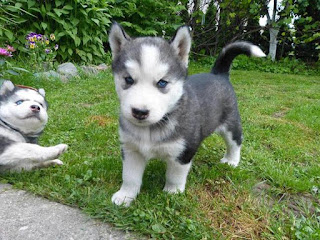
x=23, y=116
x=166, y=114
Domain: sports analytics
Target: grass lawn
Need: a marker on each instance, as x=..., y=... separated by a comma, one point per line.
x=273, y=194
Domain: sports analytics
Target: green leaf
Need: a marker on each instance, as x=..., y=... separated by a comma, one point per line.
x=21, y=20
x=71, y=35
x=64, y=11
x=102, y=50
x=68, y=7
x=12, y=9
x=51, y=15
x=12, y=72
x=105, y=21
x=89, y=55
x=57, y=11
x=77, y=41
x=75, y=21
x=9, y=34
x=18, y=5
x=58, y=3
x=37, y=26
x=63, y=23
x=75, y=31
x=96, y=21
x=31, y=3
x=84, y=12
x=48, y=6
x=83, y=58
x=44, y=25
x=63, y=48
x=20, y=69
x=158, y=228
x=43, y=10
x=34, y=10
x=98, y=40
x=232, y=15
x=70, y=51
x=61, y=34
x=85, y=39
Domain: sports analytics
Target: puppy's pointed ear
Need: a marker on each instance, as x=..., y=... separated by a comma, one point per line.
x=181, y=43
x=7, y=86
x=42, y=92
x=117, y=38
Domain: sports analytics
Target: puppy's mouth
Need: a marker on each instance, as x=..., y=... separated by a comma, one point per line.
x=140, y=123
x=32, y=115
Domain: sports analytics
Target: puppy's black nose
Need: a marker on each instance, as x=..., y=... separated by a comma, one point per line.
x=140, y=114
x=35, y=108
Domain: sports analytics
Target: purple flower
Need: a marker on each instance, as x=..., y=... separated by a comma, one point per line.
x=31, y=35
x=56, y=47
x=39, y=37
x=47, y=50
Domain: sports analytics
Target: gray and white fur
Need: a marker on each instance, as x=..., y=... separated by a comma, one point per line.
x=166, y=114
x=23, y=116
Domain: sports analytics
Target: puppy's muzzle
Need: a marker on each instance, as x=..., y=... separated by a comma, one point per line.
x=35, y=108
x=140, y=114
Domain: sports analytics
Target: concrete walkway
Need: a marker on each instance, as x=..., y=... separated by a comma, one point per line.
x=25, y=216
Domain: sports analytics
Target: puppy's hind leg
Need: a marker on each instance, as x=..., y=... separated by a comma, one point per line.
x=233, y=140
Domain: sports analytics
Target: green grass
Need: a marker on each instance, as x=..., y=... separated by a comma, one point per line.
x=281, y=122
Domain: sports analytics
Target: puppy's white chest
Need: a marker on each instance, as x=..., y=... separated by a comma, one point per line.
x=166, y=150
x=150, y=149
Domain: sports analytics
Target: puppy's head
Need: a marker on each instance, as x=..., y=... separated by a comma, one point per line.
x=24, y=109
x=149, y=73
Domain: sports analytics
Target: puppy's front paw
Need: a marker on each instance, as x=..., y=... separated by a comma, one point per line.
x=233, y=163
x=173, y=189
x=122, y=198
x=56, y=162
x=49, y=163
x=61, y=148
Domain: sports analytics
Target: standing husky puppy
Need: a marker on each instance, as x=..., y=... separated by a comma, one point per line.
x=23, y=116
x=166, y=114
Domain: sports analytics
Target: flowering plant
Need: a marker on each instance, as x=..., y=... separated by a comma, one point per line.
x=42, y=49
x=7, y=52
x=5, y=66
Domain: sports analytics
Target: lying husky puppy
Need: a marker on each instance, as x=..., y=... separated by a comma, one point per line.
x=23, y=116
x=166, y=114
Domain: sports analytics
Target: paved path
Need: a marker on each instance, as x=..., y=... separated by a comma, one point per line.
x=25, y=216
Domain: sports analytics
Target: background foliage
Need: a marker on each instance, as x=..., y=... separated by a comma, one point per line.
x=149, y=17
x=81, y=27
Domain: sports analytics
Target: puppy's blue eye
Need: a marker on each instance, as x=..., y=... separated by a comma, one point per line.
x=129, y=80
x=19, y=102
x=162, y=84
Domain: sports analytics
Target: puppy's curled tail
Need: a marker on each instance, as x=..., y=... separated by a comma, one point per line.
x=229, y=52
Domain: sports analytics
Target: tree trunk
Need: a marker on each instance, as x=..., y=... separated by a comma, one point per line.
x=273, y=43
x=192, y=20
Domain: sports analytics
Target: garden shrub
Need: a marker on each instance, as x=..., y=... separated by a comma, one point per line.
x=149, y=17
x=283, y=66
x=80, y=26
